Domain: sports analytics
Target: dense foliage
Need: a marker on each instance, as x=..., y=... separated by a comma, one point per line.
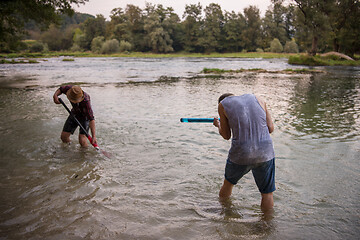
x=303, y=25
x=15, y=13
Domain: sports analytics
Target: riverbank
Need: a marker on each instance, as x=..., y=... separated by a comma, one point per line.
x=146, y=55
x=322, y=60
x=296, y=59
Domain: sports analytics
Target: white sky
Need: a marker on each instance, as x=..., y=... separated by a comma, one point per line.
x=104, y=7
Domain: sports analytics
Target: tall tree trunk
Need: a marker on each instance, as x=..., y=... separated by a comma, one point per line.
x=336, y=45
x=314, y=46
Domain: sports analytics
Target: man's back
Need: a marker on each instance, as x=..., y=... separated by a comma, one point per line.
x=251, y=141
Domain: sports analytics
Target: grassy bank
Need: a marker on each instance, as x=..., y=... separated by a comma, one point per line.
x=296, y=59
x=321, y=61
x=146, y=55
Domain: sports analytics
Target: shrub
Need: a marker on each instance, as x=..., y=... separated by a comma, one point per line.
x=97, y=43
x=259, y=50
x=333, y=57
x=213, y=70
x=46, y=47
x=24, y=45
x=125, y=46
x=80, y=40
x=37, y=47
x=306, y=60
x=291, y=47
x=76, y=48
x=275, y=46
x=110, y=46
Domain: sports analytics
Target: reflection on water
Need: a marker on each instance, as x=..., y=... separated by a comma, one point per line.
x=327, y=106
x=164, y=176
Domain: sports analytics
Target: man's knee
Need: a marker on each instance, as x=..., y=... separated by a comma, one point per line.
x=83, y=140
x=65, y=137
x=226, y=190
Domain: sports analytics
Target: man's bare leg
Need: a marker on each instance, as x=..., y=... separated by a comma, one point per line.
x=65, y=137
x=226, y=190
x=83, y=140
x=267, y=201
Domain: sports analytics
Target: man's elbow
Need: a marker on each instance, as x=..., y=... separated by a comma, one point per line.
x=225, y=136
x=271, y=129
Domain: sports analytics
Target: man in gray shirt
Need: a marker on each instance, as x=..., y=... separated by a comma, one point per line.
x=248, y=120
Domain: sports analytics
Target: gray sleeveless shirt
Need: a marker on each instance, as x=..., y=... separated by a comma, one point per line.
x=251, y=142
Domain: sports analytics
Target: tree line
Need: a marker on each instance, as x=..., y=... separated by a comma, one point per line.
x=302, y=25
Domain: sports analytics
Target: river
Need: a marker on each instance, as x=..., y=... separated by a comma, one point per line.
x=163, y=178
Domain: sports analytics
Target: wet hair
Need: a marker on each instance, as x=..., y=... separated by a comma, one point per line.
x=224, y=96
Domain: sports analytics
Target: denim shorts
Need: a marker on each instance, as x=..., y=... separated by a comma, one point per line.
x=264, y=174
x=71, y=125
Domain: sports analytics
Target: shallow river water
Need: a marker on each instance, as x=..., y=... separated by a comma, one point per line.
x=163, y=179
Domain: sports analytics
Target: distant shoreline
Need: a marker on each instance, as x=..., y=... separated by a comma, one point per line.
x=146, y=55
x=295, y=59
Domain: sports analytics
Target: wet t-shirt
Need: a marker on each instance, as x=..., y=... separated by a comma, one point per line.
x=251, y=142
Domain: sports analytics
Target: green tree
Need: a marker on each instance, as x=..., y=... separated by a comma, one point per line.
x=157, y=33
x=75, y=19
x=135, y=20
x=192, y=25
x=93, y=27
x=274, y=24
x=344, y=21
x=172, y=25
x=128, y=25
x=121, y=32
x=79, y=39
x=349, y=35
x=119, y=26
x=251, y=36
x=58, y=39
x=312, y=21
x=53, y=38
x=233, y=27
x=15, y=13
x=212, y=37
x=290, y=21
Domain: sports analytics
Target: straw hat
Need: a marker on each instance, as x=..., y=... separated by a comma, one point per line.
x=75, y=94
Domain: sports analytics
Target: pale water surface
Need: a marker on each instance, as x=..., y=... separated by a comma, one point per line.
x=163, y=179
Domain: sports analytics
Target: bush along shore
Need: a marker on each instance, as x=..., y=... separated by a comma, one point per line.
x=323, y=60
x=295, y=59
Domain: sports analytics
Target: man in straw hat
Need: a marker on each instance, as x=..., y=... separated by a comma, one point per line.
x=81, y=108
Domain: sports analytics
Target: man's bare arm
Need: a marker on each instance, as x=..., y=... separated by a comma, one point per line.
x=223, y=124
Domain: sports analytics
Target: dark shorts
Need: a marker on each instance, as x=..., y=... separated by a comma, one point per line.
x=264, y=174
x=71, y=125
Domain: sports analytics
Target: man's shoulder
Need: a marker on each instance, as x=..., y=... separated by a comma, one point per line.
x=65, y=88
x=86, y=97
x=260, y=99
x=261, y=102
